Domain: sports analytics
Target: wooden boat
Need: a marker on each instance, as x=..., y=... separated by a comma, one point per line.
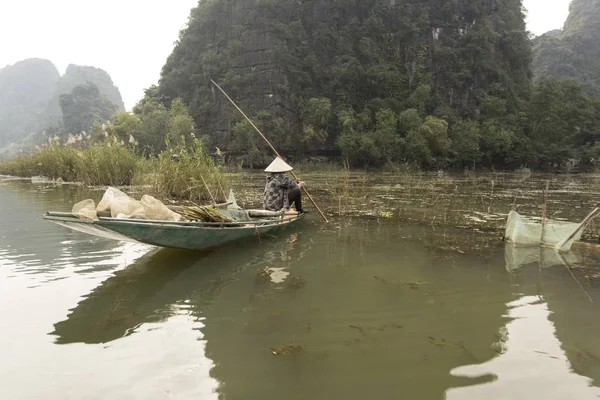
x=247, y=224
x=567, y=171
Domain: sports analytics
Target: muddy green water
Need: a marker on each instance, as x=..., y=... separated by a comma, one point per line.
x=361, y=308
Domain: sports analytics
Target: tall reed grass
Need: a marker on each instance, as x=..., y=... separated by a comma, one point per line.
x=185, y=173
x=108, y=164
x=52, y=161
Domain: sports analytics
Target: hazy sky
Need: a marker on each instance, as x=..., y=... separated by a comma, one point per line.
x=131, y=39
x=546, y=15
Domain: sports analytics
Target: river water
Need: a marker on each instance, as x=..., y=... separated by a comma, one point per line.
x=357, y=308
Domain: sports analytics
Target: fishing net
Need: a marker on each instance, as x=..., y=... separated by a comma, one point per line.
x=85, y=209
x=517, y=257
x=126, y=207
x=527, y=231
x=117, y=202
x=120, y=205
x=155, y=209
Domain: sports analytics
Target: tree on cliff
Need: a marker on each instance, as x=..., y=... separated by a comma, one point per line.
x=84, y=107
x=79, y=74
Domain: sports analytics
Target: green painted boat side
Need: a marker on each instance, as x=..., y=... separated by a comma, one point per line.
x=192, y=237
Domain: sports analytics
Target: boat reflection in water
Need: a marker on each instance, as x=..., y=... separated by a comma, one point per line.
x=548, y=347
x=163, y=287
x=137, y=294
x=151, y=290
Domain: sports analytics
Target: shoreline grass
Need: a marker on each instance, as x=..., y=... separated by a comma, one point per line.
x=178, y=173
x=478, y=202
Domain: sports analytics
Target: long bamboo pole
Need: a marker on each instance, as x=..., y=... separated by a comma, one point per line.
x=595, y=212
x=271, y=146
x=545, y=211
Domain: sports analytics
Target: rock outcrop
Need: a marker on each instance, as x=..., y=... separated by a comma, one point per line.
x=574, y=51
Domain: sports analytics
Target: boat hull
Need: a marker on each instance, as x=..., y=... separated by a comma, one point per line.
x=191, y=236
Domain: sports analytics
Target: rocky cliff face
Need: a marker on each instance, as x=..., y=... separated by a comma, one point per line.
x=443, y=57
x=78, y=75
x=25, y=90
x=574, y=52
x=30, y=93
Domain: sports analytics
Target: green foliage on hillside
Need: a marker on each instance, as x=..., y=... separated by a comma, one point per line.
x=436, y=83
x=433, y=83
x=373, y=81
x=78, y=75
x=564, y=122
x=84, y=107
x=150, y=128
x=573, y=53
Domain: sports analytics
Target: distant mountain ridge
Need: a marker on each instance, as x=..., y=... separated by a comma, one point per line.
x=30, y=93
x=77, y=75
x=574, y=51
x=25, y=90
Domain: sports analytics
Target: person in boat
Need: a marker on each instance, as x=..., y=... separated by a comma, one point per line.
x=280, y=190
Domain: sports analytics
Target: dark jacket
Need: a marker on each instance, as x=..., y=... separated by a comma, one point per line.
x=276, y=192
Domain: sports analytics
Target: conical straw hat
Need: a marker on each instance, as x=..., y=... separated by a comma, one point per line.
x=278, y=165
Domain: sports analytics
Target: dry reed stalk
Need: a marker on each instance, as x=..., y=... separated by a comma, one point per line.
x=208, y=190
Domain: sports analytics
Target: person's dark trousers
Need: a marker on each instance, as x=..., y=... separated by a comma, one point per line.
x=295, y=196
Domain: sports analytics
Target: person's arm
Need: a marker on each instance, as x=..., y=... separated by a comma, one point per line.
x=287, y=183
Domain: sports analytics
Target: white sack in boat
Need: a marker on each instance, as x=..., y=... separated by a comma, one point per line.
x=85, y=209
x=526, y=231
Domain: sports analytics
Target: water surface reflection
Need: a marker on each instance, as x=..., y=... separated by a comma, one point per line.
x=532, y=361
x=547, y=346
x=369, y=308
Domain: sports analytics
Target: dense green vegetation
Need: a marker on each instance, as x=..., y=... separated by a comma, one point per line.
x=102, y=164
x=151, y=127
x=81, y=75
x=435, y=84
x=84, y=107
x=178, y=172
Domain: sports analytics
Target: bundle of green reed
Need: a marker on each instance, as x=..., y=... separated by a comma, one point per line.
x=203, y=213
